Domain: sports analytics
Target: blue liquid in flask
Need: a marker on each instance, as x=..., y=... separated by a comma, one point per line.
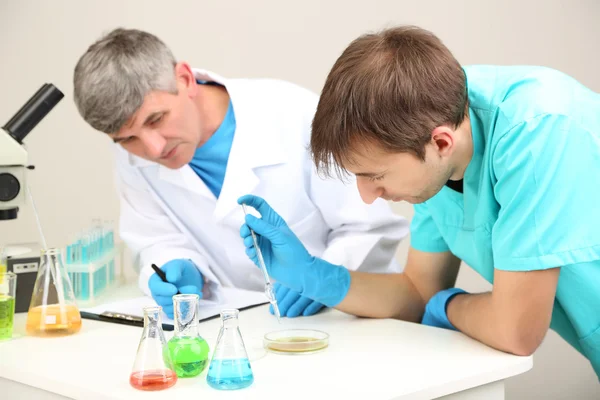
x=230, y=374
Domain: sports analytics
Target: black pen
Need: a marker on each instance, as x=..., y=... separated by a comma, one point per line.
x=161, y=274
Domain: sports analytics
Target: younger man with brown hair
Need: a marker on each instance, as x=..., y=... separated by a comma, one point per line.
x=502, y=165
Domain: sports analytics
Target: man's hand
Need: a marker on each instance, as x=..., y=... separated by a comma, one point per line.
x=291, y=304
x=287, y=260
x=514, y=317
x=183, y=276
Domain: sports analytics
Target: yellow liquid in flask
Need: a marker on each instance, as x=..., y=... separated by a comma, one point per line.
x=53, y=320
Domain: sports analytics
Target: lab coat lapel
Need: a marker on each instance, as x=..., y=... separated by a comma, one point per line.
x=186, y=178
x=256, y=144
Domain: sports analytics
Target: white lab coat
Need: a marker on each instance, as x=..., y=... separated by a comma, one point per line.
x=168, y=214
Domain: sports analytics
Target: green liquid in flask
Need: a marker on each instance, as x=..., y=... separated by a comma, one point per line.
x=189, y=355
x=7, y=312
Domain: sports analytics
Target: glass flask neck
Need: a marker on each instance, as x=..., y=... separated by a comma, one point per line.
x=52, y=256
x=229, y=318
x=152, y=321
x=186, y=314
x=52, y=251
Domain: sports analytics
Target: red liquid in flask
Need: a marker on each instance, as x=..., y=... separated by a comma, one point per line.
x=153, y=380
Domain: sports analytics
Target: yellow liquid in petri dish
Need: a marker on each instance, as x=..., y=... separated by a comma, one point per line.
x=297, y=344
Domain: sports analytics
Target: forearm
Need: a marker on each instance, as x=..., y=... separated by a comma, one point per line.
x=382, y=296
x=404, y=295
x=478, y=316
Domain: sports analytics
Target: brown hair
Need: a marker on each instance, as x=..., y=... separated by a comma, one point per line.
x=391, y=89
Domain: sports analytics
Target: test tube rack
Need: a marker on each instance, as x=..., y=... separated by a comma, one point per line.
x=94, y=265
x=93, y=278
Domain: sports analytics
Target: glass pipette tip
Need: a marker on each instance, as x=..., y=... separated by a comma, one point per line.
x=271, y=296
x=261, y=261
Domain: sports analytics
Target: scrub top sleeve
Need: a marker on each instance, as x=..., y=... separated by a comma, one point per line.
x=547, y=172
x=424, y=233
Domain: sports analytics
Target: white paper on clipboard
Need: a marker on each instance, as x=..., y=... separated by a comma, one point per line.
x=231, y=298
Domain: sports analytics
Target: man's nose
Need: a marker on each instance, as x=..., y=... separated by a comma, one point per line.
x=154, y=144
x=369, y=191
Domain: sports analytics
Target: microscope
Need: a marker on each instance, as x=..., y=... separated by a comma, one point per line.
x=13, y=155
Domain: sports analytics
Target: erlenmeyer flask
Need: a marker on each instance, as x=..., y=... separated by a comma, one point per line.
x=52, y=310
x=229, y=367
x=189, y=351
x=153, y=368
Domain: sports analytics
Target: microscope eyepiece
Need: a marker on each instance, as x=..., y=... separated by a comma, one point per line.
x=38, y=106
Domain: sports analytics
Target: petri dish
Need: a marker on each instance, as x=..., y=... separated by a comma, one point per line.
x=296, y=341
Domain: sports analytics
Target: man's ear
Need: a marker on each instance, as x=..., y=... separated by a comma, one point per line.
x=185, y=78
x=442, y=138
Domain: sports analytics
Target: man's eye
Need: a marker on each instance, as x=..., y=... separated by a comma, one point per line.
x=156, y=120
x=123, y=140
x=376, y=178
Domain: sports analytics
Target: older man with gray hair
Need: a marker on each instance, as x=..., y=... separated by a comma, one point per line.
x=190, y=143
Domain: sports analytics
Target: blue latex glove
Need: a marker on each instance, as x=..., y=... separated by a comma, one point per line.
x=183, y=276
x=292, y=304
x=287, y=260
x=435, y=310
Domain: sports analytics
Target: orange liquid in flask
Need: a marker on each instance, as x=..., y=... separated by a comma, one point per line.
x=153, y=380
x=53, y=320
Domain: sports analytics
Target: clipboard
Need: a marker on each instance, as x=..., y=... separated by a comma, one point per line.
x=129, y=312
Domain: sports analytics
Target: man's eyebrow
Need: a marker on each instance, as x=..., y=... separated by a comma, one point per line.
x=149, y=118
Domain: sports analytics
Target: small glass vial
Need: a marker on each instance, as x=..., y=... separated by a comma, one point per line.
x=189, y=351
x=229, y=367
x=153, y=368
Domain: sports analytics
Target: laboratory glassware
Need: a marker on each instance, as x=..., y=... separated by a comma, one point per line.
x=229, y=367
x=189, y=351
x=52, y=310
x=296, y=341
x=153, y=368
x=269, y=292
x=8, y=287
x=3, y=260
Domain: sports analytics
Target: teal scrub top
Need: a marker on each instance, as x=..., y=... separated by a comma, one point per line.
x=531, y=193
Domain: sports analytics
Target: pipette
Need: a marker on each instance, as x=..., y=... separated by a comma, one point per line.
x=261, y=262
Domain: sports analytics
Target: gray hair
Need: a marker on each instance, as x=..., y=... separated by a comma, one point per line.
x=115, y=74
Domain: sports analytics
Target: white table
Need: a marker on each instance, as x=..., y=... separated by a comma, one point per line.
x=366, y=359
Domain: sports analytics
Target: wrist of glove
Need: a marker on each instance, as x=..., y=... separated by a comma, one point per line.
x=183, y=276
x=435, y=310
x=325, y=282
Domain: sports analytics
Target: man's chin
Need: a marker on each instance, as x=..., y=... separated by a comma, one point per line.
x=415, y=200
x=174, y=164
